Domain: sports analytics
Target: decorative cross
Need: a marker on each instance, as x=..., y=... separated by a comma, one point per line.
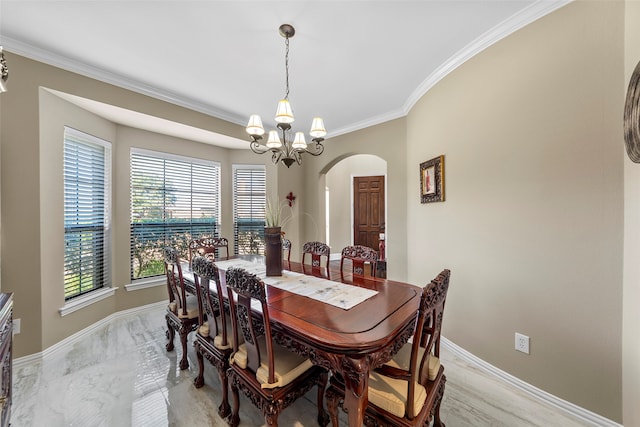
x=291, y=198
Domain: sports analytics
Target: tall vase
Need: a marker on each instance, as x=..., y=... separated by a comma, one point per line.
x=273, y=251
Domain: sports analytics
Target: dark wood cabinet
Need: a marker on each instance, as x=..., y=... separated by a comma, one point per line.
x=6, y=335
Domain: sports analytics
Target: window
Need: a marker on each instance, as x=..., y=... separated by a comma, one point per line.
x=249, y=200
x=87, y=181
x=174, y=199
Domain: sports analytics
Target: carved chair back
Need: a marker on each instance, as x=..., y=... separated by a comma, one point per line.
x=317, y=250
x=246, y=323
x=269, y=391
x=175, y=281
x=205, y=272
x=208, y=245
x=426, y=337
x=359, y=255
x=411, y=365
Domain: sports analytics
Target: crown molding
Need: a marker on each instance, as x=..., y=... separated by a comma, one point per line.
x=382, y=118
x=535, y=11
x=507, y=27
x=74, y=66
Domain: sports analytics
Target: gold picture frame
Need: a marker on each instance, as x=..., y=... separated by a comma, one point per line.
x=432, y=180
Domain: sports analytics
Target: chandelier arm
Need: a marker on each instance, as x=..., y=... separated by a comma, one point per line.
x=256, y=147
x=276, y=156
x=298, y=156
x=319, y=148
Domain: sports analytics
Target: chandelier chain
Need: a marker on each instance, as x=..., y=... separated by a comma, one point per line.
x=286, y=67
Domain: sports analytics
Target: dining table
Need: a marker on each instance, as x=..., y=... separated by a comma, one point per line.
x=349, y=325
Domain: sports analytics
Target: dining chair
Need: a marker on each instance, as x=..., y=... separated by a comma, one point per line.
x=317, y=250
x=407, y=390
x=182, y=311
x=214, y=334
x=208, y=245
x=359, y=255
x=271, y=376
x=286, y=249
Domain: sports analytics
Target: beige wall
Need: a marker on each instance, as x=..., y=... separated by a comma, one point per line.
x=55, y=114
x=387, y=142
x=532, y=223
x=291, y=180
x=631, y=290
x=31, y=147
x=339, y=181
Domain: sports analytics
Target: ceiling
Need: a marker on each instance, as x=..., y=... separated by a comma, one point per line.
x=354, y=63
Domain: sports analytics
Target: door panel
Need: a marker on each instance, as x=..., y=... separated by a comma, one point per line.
x=368, y=210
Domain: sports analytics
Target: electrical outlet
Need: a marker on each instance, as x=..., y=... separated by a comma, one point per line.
x=16, y=326
x=522, y=343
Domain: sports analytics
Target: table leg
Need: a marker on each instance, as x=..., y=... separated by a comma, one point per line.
x=356, y=377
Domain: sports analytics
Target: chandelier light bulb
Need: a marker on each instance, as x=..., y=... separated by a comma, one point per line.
x=254, y=127
x=284, y=114
x=317, y=128
x=299, y=141
x=274, y=140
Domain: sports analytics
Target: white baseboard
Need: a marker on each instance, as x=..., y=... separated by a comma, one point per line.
x=590, y=417
x=20, y=361
x=541, y=395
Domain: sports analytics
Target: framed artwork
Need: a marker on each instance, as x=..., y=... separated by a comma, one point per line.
x=432, y=180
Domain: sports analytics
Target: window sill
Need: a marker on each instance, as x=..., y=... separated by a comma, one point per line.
x=146, y=283
x=86, y=300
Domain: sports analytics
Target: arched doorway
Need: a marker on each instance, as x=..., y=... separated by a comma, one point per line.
x=339, y=197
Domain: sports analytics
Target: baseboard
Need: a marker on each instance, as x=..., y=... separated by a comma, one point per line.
x=70, y=340
x=541, y=395
x=590, y=417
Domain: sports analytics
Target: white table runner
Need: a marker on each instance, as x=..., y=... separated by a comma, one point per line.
x=337, y=294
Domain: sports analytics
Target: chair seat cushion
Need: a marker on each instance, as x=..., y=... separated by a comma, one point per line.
x=205, y=330
x=192, y=308
x=288, y=365
x=391, y=394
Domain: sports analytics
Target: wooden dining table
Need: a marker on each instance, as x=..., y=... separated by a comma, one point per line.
x=349, y=342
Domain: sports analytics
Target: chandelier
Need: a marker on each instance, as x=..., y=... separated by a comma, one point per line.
x=4, y=72
x=286, y=150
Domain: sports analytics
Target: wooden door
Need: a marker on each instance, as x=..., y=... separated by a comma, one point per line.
x=368, y=210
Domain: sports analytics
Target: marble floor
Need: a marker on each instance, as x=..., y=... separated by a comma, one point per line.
x=121, y=375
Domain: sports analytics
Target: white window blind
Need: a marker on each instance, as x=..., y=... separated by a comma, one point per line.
x=87, y=189
x=174, y=199
x=249, y=200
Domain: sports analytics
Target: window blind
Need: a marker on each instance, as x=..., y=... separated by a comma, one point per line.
x=87, y=179
x=174, y=199
x=249, y=200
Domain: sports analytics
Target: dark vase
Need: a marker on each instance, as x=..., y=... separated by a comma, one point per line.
x=273, y=251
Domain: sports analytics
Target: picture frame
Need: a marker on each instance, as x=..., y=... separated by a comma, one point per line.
x=432, y=180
